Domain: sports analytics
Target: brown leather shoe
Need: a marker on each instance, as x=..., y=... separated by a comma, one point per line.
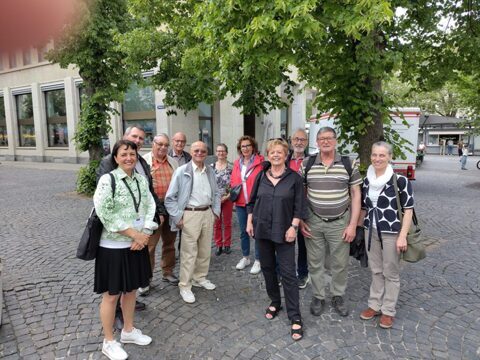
x=369, y=314
x=386, y=321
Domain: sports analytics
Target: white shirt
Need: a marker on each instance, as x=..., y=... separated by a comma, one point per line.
x=201, y=191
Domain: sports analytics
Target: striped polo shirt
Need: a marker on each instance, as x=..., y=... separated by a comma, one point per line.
x=327, y=187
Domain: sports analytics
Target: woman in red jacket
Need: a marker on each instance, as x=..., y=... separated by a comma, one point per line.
x=245, y=170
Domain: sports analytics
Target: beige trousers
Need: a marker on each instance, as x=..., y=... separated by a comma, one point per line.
x=197, y=233
x=384, y=264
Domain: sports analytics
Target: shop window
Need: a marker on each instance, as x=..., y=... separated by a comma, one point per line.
x=26, y=127
x=56, y=118
x=3, y=124
x=139, y=109
x=205, y=123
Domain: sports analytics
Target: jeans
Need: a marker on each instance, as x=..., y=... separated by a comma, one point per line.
x=463, y=161
x=244, y=238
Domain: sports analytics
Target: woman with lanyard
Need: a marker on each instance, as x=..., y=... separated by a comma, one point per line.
x=245, y=170
x=122, y=264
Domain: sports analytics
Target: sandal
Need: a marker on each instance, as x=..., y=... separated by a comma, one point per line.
x=297, y=334
x=273, y=313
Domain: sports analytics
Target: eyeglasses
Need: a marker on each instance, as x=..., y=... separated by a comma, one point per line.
x=331, y=138
x=246, y=146
x=161, y=144
x=200, y=151
x=299, y=139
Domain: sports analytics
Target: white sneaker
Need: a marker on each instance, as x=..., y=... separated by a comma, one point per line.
x=255, y=268
x=242, y=263
x=143, y=291
x=187, y=296
x=206, y=284
x=135, y=337
x=113, y=350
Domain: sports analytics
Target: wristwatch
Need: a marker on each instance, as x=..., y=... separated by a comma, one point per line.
x=295, y=227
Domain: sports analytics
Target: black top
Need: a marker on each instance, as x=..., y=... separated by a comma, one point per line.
x=274, y=207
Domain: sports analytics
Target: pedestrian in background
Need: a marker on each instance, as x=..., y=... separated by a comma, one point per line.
x=295, y=158
x=244, y=172
x=450, y=147
x=275, y=209
x=122, y=265
x=463, y=160
x=460, y=148
x=223, y=225
x=386, y=237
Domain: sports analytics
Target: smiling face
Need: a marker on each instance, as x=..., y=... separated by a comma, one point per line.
x=299, y=142
x=380, y=158
x=179, y=140
x=326, y=142
x=160, y=147
x=198, y=150
x=246, y=148
x=126, y=159
x=221, y=152
x=136, y=136
x=277, y=154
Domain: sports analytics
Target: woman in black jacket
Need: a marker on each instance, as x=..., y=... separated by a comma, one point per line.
x=275, y=209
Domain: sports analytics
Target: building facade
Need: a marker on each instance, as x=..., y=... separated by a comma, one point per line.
x=40, y=107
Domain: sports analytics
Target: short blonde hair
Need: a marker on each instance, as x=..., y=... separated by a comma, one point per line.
x=276, y=142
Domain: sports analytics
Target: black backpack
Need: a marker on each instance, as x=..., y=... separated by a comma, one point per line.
x=311, y=160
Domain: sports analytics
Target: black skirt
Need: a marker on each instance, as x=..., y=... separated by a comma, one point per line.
x=121, y=270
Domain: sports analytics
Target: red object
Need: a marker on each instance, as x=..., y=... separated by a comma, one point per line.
x=225, y=219
x=27, y=23
x=236, y=178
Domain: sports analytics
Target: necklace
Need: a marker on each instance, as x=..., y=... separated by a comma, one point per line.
x=276, y=177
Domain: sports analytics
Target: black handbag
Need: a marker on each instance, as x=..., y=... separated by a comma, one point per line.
x=415, y=244
x=90, y=240
x=234, y=192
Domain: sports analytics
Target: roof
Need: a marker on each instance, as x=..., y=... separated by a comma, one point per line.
x=426, y=120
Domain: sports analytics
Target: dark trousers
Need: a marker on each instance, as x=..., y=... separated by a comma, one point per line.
x=302, y=265
x=284, y=254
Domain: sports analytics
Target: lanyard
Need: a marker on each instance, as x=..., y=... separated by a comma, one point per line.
x=137, y=206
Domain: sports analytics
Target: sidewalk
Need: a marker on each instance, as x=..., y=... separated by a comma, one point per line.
x=51, y=312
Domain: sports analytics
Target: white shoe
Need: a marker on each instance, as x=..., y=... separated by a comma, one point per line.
x=255, y=268
x=143, y=291
x=206, y=284
x=242, y=263
x=187, y=296
x=113, y=350
x=135, y=337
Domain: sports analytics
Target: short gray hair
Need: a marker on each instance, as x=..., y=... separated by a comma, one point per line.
x=301, y=130
x=161, y=135
x=326, y=129
x=386, y=145
x=131, y=127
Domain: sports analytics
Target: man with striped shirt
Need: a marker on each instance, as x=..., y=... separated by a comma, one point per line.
x=334, y=197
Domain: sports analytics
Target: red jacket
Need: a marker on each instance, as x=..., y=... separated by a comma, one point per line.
x=236, y=178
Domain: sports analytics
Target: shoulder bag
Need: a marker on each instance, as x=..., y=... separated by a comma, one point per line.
x=90, y=240
x=415, y=244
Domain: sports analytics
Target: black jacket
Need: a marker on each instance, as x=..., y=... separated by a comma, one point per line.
x=106, y=165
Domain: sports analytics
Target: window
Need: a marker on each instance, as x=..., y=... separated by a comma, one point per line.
x=433, y=140
x=139, y=108
x=26, y=127
x=12, y=60
x=56, y=118
x=205, y=123
x=3, y=124
x=27, y=59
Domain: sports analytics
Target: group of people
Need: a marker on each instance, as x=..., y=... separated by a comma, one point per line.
x=289, y=198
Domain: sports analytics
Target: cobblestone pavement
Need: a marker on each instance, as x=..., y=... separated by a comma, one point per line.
x=51, y=311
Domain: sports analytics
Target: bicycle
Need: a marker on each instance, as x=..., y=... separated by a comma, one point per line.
x=478, y=165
